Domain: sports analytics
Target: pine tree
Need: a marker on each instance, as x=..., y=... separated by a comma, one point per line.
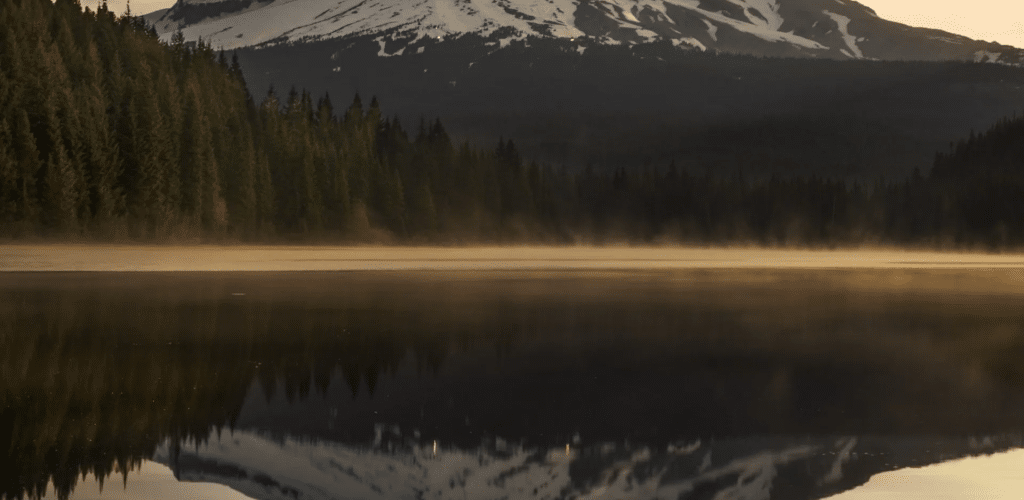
x=61, y=180
x=172, y=110
x=394, y=202
x=100, y=156
x=12, y=75
x=201, y=189
x=29, y=165
x=265, y=197
x=423, y=213
x=325, y=112
x=310, y=203
x=8, y=177
x=61, y=191
x=236, y=73
x=241, y=182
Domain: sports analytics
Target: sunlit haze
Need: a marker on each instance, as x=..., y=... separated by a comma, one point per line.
x=325, y=258
x=989, y=20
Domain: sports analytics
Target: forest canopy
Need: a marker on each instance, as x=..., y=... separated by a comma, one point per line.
x=108, y=133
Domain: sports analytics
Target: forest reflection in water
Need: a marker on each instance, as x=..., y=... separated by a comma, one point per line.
x=795, y=383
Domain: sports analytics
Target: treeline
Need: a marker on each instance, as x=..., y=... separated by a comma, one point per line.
x=105, y=132
x=108, y=133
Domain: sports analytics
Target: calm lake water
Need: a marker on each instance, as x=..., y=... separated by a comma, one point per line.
x=693, y=383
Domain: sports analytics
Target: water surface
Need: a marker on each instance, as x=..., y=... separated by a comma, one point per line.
x=548, y=383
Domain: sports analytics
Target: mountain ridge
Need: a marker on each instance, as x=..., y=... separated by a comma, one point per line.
x=839, y=29
x=807, y=86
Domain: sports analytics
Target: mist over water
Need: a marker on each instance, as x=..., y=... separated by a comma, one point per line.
x=685, y=382
x=89, y=257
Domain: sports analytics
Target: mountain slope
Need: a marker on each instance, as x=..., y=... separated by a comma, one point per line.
x=579, y=103
x=841, y=29
x=623, y=83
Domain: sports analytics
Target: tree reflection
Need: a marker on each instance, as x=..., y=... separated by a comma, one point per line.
x=98, y=371
x=92, y=381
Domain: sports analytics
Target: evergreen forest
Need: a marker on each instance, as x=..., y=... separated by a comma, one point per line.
x=109, y=134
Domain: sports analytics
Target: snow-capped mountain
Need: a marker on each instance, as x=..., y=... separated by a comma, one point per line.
x=841, y=29
x=802, y=85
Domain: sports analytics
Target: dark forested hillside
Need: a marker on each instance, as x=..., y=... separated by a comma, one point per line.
x=108, y=133
x=578, y=102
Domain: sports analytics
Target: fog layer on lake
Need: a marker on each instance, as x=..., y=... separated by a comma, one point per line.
x=82, y=257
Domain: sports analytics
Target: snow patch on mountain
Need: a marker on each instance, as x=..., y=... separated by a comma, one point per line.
x=712, y=30
x=836, y=472
x=693, y=42
x=843, y=23
x=986, y=56
x=764, y=13
x=764, y=32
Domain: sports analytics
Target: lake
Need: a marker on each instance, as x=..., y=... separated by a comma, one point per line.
x=531, y=379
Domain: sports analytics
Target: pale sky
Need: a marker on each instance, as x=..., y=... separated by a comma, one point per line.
x=991, y=20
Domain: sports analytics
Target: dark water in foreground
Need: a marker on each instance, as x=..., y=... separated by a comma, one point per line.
x=693, y=384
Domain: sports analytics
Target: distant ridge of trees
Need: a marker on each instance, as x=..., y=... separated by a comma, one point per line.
x=108, y=133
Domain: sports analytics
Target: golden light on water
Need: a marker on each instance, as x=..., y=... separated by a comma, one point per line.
x=318, y=258
x=151, y=481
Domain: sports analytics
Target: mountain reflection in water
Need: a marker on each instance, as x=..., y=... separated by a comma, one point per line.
x=682, y=384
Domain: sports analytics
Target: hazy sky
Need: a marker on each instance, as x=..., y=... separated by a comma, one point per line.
x=992, y=20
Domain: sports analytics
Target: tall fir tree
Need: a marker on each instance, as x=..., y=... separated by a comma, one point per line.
x=29, y=167
x=8, y=178
x=61, y=192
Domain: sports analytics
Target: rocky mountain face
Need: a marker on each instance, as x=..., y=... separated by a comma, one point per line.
x=841, y=29
x=788, y=87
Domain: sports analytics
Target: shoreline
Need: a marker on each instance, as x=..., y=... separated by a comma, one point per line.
x=157, y=258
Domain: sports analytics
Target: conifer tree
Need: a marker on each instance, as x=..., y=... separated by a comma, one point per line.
x=146, y=157
x=100, y=156
x=325, y=112
x=236, y=72
x=13, y=76
x=394, y=202
x=62, y=181
x=202, y=199
x=8, y=178
x=29, y=166
x=264, y=190
x=61, y=191
x=172, y=110
x=423, y=213
x=310, y=203
x=240, y=181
